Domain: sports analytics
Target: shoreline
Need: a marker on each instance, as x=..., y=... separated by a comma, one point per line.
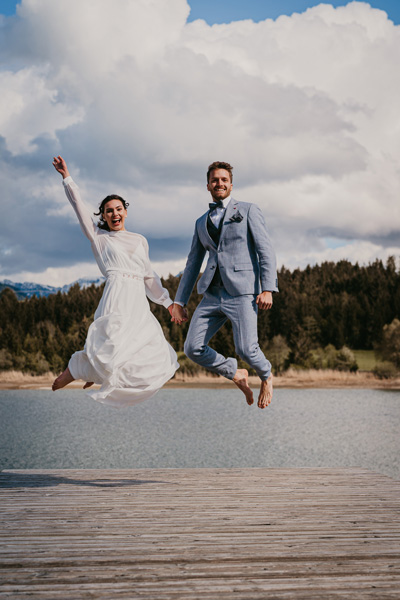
x=14, y=380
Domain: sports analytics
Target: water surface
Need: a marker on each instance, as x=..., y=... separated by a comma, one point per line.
x=182, y=428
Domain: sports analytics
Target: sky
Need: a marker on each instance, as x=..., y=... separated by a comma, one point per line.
x=300, y=97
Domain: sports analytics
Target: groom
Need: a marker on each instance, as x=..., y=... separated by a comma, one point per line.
x=240, y=257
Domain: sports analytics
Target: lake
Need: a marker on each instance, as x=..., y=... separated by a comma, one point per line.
x=191, y=428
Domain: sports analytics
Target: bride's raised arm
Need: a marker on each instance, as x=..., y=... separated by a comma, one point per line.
x=73, y=195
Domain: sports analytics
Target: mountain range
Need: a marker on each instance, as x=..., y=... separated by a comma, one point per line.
x=28, y=289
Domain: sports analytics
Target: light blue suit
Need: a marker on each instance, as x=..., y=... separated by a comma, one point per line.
x=247, y=265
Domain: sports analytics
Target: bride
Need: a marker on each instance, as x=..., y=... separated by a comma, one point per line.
x=125, y=349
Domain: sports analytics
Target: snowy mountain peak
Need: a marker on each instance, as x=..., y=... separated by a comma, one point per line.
x=29, y=289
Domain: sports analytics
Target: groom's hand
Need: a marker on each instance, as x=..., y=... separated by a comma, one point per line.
x=264, y=300
x=178, y=314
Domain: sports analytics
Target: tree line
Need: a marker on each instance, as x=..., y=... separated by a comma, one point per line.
x=319, y=315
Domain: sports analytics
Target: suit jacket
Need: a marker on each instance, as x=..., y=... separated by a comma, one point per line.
x=244, y=255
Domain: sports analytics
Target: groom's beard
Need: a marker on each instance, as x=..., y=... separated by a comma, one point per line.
x=218, y=197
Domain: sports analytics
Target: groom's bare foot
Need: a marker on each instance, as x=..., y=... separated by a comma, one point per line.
x=88, y=384
x=266, y=391
x=62, y=380
x=241, y=379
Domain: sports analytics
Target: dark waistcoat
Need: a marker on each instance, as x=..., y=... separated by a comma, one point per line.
x=215, y=234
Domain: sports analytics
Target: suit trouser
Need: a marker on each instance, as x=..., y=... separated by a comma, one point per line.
x=216, y=307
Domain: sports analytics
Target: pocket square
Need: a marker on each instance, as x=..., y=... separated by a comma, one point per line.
x=236, y=218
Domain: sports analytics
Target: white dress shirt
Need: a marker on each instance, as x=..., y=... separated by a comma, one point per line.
x=217, y=214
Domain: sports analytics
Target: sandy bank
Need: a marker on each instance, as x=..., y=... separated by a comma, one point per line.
x=291, y=379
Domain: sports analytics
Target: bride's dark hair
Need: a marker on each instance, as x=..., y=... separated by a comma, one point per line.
x=102, y=223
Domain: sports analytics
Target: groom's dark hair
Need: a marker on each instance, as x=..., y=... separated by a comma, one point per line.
x=219, y=165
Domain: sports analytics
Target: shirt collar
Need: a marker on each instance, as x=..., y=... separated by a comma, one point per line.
x=226, y=201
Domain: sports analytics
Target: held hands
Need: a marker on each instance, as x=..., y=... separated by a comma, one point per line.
x=264, y=300
x=178, y=313
x=61, y=166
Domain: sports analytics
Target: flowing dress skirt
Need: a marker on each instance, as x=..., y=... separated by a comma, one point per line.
x=125, y=350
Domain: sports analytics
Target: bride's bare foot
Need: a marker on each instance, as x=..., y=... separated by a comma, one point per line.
x=88, y=384
x=62, y=380
x=266, y=391
x=241, y=379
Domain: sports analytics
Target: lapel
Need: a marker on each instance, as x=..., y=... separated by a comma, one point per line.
x=230, y=211
x=203, y=226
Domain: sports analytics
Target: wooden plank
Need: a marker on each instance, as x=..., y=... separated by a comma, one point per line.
x=199, y=533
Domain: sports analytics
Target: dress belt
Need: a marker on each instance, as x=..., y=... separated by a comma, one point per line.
x=123, y=274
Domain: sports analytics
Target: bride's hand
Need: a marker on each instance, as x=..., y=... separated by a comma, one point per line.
x=61, y=166
x=178, y=313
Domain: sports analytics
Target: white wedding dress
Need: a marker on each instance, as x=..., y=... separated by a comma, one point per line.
x=125, y=350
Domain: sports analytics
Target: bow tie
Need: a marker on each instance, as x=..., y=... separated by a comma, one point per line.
x=214, y=205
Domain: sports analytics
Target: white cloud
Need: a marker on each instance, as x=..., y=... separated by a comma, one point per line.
x=359, y=252
x=29, y=108
x=139, y=102
x=60, y=276
x=173, y=267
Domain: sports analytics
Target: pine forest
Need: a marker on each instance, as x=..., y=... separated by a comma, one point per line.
x=321, y=316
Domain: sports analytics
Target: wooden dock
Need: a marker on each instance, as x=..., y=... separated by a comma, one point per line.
x=199, y=533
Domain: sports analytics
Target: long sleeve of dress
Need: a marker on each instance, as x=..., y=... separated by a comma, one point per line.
x=82, y=212
x=154, y=288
